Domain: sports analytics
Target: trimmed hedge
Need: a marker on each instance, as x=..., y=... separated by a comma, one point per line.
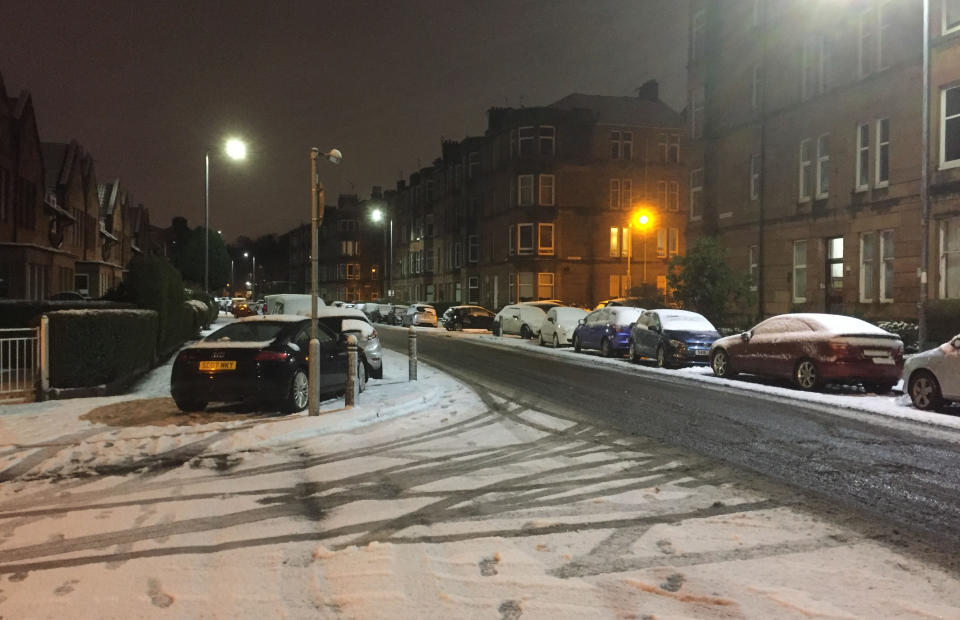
x=26, y=313
x=95, y=347
x=155, y=284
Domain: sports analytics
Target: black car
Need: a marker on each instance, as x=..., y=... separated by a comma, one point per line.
x=468, y=317
x=260, y=359
x=672, y=338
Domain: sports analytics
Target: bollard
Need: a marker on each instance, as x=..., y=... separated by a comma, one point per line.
x=350, y=390
x=412, y=352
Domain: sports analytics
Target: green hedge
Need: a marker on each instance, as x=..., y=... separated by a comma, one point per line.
x=153, y=283
x=94, y=347
x=24, y=313
x=943, y=320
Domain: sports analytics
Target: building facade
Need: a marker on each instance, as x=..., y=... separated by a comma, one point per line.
x=805, y=123
x=543, y=205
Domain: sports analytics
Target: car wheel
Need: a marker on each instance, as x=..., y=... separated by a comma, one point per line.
x=525, y=332
x=720, y=362
x=805, y=375
x=605, y=349
x=576, y=343
x=925, y=391
x=298, y=393
x=634, y=354
x=458, y=326
x=878, y=388
x=661, y=361
x=188, y=406
x=556, y=342
x=540, y=340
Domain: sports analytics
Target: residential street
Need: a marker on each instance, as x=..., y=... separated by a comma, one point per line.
x=427, y=500
x=903, y=472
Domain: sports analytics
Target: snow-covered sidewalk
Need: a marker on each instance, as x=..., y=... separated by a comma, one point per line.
x=843, y=400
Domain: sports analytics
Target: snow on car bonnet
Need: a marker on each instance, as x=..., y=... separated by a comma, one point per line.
x=686, y=321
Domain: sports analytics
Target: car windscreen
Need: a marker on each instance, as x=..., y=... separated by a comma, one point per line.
x=252, y=331
x=686, y=322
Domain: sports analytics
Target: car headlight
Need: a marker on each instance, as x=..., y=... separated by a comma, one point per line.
x=679, y=345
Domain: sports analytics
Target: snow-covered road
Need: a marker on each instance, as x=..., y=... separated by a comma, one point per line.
x=466, y=506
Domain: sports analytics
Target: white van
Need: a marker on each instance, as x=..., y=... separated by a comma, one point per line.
x=289, y=303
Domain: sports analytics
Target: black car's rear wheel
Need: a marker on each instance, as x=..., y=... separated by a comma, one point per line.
x=605, y=349
x=188, y=405
x=298, y=393
x=576, y=343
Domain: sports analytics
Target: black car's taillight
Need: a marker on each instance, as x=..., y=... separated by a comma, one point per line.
x=188, y=355
x=270, y=356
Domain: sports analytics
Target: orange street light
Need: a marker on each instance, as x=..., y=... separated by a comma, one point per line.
x=643, y=219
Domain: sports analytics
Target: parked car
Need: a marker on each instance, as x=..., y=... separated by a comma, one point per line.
x=244, y=308
x=259, y=359
x=290, y=303
x=559, y=325
x=69, y=296
x=813, y=349
x=395, y=315
x=523, y=319
x=932, y=378
x=606, y=329
x=620, y=301
x=354, y=321
x=420, y=315
x=468, y=317
x=672, y=338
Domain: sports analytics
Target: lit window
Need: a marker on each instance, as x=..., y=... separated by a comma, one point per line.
x=661, y=243
x=545, y=286
x=673, y=241
x=614, y=241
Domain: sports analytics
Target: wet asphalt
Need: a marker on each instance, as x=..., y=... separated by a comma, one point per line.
x=903, y=473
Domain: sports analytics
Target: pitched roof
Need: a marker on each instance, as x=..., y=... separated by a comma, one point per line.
x=622, y=110
x=56, y=163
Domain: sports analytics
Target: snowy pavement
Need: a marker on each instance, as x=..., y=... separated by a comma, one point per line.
x=843, y=400
x=463, y=505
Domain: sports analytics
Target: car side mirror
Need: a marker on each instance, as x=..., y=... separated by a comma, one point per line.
x=745, y=336
x=956, y=343
x=551, y=319
x=580, y=322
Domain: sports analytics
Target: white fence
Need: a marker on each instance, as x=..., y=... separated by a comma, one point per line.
x=19, y=362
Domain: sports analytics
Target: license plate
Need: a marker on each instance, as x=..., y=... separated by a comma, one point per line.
x=216, y=366
x=883, y=360
x=702, y=352
x=876, y=353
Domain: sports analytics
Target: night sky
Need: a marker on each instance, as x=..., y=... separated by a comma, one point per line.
x=147, y=87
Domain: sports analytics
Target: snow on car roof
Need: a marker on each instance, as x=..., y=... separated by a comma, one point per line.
x=838, y=323
x=568, y=310
x=331, y=311
x=279, y=318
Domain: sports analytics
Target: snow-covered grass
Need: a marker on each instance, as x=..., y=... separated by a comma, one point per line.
x=848, y=400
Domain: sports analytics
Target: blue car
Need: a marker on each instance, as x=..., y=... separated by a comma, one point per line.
x=606, y=330
x=671, y=338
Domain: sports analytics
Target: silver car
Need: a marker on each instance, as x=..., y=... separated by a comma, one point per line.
x=353, y=321
x=932, y=378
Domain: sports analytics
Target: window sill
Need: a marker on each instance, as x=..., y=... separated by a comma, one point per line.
x=726, y=215
x=947, y=165
x=799, y=300
x=862, y=189
x=822, y=196
x=882, y=185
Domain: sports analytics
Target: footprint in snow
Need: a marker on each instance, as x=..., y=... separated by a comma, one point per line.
x=158, y=597
x=673, y=582
x=488, y=566
x=510, y=610
x=18, y=576
x=66, y=588
x=665, y=546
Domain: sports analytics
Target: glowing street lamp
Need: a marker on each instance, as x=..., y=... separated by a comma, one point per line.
x=377, y=216
x=643, y=219
x=236, y=150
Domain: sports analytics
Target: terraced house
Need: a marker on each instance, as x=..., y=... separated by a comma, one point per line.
x=541, y=205
x=59, y=229
x=805, y=118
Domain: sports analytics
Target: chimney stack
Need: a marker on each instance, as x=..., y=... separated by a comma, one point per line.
x=649, y=91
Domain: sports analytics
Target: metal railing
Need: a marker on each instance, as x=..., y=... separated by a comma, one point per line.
x=19, y=362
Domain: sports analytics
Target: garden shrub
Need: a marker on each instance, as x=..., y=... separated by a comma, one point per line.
x=943, y=320
x=153, y=283
x=95, y=347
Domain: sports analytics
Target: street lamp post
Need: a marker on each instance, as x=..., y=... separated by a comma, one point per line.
x=316, y=219
x=643, y=220
x=377, y=216
x=236, y=150
x=924, y=181
x=254, y=275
